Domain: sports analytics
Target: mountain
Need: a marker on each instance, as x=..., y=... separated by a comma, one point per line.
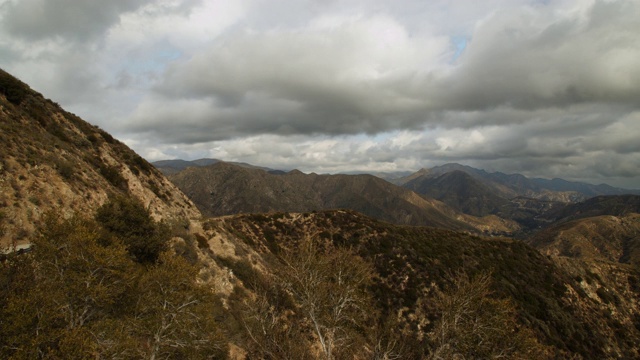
x=168, y=167
x=225, y=189
x=390, y=176
x=509, y=196
x=461, y=191
x=513, y=185
x=51, y=160
x=585, y=189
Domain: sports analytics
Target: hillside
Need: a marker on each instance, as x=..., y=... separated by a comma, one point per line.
x=603, y=228
x=565, y=302
x=225, y=189
x=53, y=160
x=605, y=237
x=596, y=206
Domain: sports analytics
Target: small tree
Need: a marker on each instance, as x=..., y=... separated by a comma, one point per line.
x=329, y=284
x=173, y=315
x=474, y=325
x=274, y=331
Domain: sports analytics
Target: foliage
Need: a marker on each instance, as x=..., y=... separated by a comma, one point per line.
x=411, y=263
x=76, y=296
x=272, y=328
x=71, y=284
x=65, y=168
x=173, y=316
x=3, y=216
x=127, y=219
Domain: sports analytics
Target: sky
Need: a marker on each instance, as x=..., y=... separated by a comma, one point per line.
x=542, y=88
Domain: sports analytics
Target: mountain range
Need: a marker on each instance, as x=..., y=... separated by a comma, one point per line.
x=272, y=279
x=226, y=189
x=471, y=195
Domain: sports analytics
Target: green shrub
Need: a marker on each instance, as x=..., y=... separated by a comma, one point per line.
x=13, y=89
x=127, y=219
x=112, y=174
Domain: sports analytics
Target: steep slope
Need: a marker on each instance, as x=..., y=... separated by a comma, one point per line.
x=461, y=191
x=573, y=307
x=224, y=189
x=53, y=160
x=606, y=237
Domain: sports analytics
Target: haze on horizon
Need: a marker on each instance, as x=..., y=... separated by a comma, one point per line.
x=542, y=88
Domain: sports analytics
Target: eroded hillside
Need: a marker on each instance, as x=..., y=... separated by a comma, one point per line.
x=53, y=160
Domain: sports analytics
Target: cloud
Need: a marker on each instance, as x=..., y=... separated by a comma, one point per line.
x=369, y=74
x=69, y=19
x=533, y=58
x=338, y=75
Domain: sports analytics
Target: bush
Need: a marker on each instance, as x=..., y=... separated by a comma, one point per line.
x=112, y=174
x=13, y=89
x=127, y=219
x=65, y=168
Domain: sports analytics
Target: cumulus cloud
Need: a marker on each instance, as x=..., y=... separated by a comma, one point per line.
x=337, y=75
x=537, y=58
x=354, y=74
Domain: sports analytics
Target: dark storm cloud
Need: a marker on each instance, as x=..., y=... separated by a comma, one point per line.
x=343, y=76
x=69, y=19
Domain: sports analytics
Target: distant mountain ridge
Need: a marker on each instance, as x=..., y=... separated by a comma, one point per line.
x=512, y=185
x=168, y=167
x=509, y=196
x=225, y=189
x=470, y=191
